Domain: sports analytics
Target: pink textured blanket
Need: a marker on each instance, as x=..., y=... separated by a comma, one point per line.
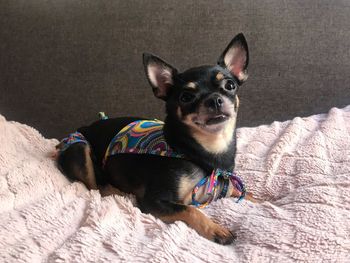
x=301, y=168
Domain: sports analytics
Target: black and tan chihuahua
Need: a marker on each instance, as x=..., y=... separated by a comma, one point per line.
x=200, y=125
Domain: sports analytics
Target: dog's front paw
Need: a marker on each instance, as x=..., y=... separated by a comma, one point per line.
x=223, y=236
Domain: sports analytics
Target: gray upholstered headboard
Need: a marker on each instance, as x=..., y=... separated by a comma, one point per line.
x=63, y=61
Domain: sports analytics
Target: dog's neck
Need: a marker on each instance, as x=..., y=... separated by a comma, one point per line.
x=206, y=150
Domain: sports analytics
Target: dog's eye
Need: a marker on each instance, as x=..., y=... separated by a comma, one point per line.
x=187, y=97
x=230, y=85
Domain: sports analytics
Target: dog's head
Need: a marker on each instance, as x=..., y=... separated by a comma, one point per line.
x=203, y=98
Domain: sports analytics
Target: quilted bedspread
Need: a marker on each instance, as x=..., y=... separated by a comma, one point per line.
x=299, y=168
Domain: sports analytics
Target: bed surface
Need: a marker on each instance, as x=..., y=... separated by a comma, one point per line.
x=300, y=168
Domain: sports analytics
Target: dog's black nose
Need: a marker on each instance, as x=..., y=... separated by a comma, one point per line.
x=219, y=101
x=214, y=102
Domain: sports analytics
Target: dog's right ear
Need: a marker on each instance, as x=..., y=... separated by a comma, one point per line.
x=159, y=74
x=236, y=57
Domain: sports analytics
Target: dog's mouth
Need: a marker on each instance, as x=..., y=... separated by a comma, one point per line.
x=217, y=119
x=211, y=123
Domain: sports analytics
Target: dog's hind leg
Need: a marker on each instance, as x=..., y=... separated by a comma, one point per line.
x=76, y=163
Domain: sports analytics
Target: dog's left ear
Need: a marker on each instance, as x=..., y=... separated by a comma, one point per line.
x=236, y=57
x=159, y=74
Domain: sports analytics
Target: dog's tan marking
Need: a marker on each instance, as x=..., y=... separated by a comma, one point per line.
x=233, y=192
x=202, y=224
x=87, y=174
x=186, y=186
x=212, y=142
x=191, y=85
x=236, y=103
x=185, y=189
x=90, y=179
x=219, y=76
x=179, y=113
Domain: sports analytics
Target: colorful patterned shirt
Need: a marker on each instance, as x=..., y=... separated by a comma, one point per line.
x=142, y=137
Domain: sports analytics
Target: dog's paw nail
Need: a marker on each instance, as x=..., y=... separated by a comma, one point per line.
x=233, y=235
x=227, y=239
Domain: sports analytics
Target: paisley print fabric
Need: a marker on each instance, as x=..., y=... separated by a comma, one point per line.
x=141, y=137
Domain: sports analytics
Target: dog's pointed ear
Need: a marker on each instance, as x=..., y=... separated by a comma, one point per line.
x=236, y=57
x=159, y=74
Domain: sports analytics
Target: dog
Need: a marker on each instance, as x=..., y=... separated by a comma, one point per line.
x=172, y=167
